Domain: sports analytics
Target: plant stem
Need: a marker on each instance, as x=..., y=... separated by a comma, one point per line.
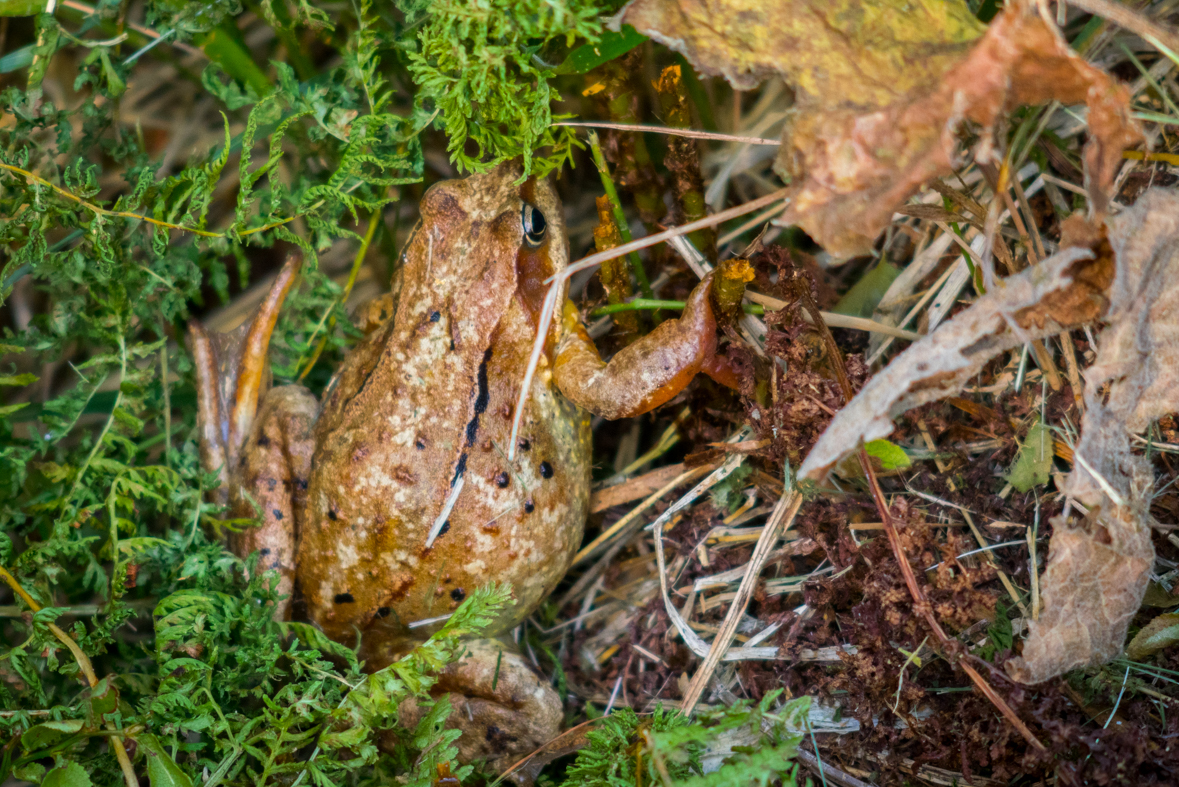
x=619, y=216
x=921, y=604
x=87, y=671
x=331, y=322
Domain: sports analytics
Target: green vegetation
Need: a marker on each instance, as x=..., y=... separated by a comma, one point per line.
x=114, y=557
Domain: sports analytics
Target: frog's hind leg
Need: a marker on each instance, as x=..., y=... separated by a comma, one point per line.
x=504, y=709
x=257, y=441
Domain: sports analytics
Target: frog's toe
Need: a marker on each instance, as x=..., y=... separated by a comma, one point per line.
x=504, y=709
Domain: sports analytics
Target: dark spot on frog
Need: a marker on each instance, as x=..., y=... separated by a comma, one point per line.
x=344, y=598
x=458, y=594
x=498, y=738
x=525, y=445
x=271, y=483
x=435, y=316
x=332, y=514
x=383, y=612
x=445, y=529
x=452, y=344
x=420, y=444
x=302, y=484
x=264, y=551
x=546, y=470
x=277, y=514
x=529, y=506
x=502, y=480
x=263, y=441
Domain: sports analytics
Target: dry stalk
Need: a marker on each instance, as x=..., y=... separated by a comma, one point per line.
x=675, y=132
x=779, y=521
x=920, y=604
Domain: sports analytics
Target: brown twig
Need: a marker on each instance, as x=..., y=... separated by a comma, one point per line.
x=921, y=605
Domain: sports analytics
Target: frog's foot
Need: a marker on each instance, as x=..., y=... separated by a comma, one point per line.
x=505, y=711
x=232, y=375
x=648, y=372
x=258, y=441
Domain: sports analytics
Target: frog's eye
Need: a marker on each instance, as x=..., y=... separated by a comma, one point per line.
x=534, y=225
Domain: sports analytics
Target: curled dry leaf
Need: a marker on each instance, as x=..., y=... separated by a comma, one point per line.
x=1098, y=567
x=883, y=88
x=1065, y=289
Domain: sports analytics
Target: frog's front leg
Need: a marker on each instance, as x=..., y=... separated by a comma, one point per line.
x=647, y=373
x=259, y=442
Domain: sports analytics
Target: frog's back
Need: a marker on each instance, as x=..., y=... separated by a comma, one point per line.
x=412, y=502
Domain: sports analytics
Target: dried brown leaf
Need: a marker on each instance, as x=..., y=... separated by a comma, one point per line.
x=1098, y=569
x=883, y=88
x=939, y=365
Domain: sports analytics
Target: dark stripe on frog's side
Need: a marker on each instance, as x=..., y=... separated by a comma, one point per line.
x=482, y=397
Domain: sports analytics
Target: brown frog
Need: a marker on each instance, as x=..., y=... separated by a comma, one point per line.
x=385, y=505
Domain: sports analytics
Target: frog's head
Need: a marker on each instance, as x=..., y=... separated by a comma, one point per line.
x=491, y=233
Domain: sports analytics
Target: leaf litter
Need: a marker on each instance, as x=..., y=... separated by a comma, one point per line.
x=885, y=91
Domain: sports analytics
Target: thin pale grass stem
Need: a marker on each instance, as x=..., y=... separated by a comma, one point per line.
x=123, y=214
x=779, y=522
x=675, y=132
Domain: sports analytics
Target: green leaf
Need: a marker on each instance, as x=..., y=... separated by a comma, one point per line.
x=18, y=379
x=162, y=770
x=1033, y=463
x=861, y=300
x=30, y=772
x=69, y=775
x=1162, y=632
x=1157, y=596
x=890, y=455
x=224, y=46
x=587, y=57
x=48, y=733
x=21, y=7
